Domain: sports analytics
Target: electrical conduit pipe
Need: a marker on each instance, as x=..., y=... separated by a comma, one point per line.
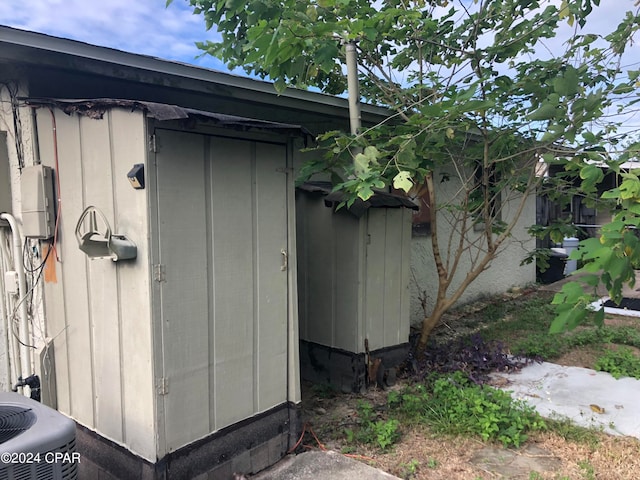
x=8, y=343
x=23, y=334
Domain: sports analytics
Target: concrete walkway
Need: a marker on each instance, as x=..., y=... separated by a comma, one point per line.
x=319, y=465
x=587, y=397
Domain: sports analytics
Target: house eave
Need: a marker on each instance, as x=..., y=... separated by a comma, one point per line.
x=19, y=46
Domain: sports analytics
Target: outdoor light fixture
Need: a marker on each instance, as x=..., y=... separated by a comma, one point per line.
x=136, y=176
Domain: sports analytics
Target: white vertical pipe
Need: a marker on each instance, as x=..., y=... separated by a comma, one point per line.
x=25, y=364
x=4, y=313
x=353, y=87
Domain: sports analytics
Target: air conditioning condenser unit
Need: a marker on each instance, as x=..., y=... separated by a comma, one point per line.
x=36, y=442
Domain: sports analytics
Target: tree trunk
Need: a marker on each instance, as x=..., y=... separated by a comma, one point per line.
x=428, y=324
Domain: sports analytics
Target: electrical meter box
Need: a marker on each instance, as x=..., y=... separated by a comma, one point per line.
x=38, y=202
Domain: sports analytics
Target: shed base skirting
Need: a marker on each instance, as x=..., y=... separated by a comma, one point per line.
x=347, y=371
x=246, y=447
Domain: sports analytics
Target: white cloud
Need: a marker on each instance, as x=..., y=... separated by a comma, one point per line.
x=147, y=27
x=139, y=26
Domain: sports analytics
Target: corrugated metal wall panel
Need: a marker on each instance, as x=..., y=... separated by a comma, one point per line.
x=129, y=146
x=348, y=239
x=102, y=307
x=222, y=224
x=377, y=298
x=405, y=290
x=388, y=252
x=270, y=238
x=103, y=292
x=329, y=261
x=234, y=308
x=183, y=252
x=353, y=275
x=56, y=319
x=317, y=260
x=80, y=373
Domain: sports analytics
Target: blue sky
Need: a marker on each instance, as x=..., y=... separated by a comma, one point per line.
x=138, y=26
x=147, y=27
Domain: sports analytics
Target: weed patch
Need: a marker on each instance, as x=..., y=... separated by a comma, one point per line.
x=410, y=469
x=454, y=405
x=373, y=431
x=619, y=363
x=474, y=355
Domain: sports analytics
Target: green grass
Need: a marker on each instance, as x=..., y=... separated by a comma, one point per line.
x=523, y=327
x=571, y=432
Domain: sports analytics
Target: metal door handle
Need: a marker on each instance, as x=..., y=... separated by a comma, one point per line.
x=285, y=260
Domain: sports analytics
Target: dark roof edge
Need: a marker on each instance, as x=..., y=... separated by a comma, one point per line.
x=77, y=48
x=380, y=199
x=95, y=108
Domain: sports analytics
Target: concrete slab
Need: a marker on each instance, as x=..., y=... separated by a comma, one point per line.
x=587, y=397
x=507, y=463
x=321, y=465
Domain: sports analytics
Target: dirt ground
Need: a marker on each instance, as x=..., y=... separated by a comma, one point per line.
x=421, y=454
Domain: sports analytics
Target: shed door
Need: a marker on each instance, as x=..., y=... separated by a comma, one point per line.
x=222, y=242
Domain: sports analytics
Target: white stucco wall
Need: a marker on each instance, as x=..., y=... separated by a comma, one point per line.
x=503, y=273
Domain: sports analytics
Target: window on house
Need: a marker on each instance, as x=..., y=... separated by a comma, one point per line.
x=486, y=187
x=421, y=221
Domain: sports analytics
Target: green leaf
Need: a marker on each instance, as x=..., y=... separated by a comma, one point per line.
x=402, y=181
x=591, y=175
x=570, y=292
x=547, y=111
x=361, y=164
x=372, y=154
x=567, y=84
x=365, y=192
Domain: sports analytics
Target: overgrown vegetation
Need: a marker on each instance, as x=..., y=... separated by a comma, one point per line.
x=571, y=432
x=447, y=390
x=522, y=328
x=372, y=430
x=620, y=363
x=451, y=403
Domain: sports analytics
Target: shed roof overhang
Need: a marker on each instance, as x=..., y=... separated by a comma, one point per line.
x=380, y=199
x=36, y=50
x=95, y=108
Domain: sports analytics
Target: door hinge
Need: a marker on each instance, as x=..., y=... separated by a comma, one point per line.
x=153, y=147
x=159, y=273
x=162, y=387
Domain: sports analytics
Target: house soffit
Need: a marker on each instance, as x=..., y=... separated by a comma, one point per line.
x=30, y=48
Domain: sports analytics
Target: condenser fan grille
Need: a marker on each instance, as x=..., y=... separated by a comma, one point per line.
x=14, y=420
